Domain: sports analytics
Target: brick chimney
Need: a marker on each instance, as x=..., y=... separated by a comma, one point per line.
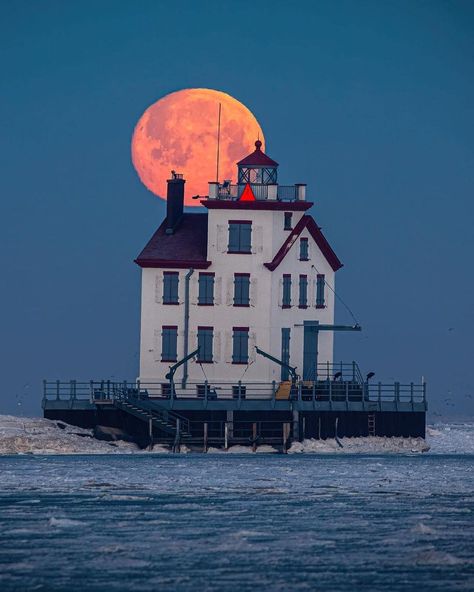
x=174, y=201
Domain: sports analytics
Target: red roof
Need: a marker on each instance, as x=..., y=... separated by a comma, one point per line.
x=257, y=158
x=314, y=230
x=185, y=248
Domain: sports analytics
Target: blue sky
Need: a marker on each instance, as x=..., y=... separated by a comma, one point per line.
x=369, y=102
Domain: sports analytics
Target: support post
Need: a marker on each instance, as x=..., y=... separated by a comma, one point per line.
x=303, y=427
x=150, y=433
x=254, y=437
x=205, y=437
x=286, y=434
x=296, y=426
x=226, y=435
x=319, y=428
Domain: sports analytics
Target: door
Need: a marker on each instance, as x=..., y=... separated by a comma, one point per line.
x=310, y=350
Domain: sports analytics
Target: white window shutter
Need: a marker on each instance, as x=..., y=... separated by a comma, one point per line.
x=159, y=288
x=257, y=239
x=227, y=346
x=221, y=245
x=217, y=345
x=253, y=291
x=194, y=289
x=193, y=341
x=157, y=345
x=280, y=292
x=229, y=295
x=218, y=290
x=252, y=344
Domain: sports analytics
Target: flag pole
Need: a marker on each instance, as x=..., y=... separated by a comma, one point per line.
x=218, y=142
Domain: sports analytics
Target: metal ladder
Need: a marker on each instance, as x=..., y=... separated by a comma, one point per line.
x=371, y=424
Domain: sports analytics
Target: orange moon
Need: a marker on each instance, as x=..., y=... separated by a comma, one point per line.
x=179, y=132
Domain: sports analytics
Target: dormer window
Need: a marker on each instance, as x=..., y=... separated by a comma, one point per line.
x=240, y=236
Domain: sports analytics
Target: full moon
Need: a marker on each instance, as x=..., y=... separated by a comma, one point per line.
x=179, y=132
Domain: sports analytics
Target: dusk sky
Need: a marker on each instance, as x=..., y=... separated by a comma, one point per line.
x=370, y=103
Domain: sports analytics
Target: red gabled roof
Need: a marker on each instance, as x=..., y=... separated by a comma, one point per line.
x=314, y=230
x=185, y=248
x=257, y=158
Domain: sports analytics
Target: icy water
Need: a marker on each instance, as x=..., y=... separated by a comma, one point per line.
x=237, y=523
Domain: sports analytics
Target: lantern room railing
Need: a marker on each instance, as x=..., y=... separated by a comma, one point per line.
x=262, y=191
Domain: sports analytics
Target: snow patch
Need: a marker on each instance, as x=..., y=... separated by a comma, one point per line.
x=369, y=445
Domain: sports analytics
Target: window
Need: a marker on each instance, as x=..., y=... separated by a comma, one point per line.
x=169, y=336
x=240, y=233
x=285, y=352
x=304, y=249
x=241, y=289
x=303, y=300
x=205, y=344
x=288, y=217
x=206, y=289
x=286, y=291
x=240, y=345
x=170, y=287
x=320, y=281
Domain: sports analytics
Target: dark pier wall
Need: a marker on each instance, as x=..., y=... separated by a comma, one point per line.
x=308, y=424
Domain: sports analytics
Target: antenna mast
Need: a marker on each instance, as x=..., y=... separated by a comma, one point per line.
x=218, y=142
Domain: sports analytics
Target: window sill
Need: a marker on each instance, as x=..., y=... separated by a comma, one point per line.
x=307, y=259
x=204, y=361
x=205, y=303
x=164, y=360
x=302, y=306
x=286, y=306
x=242, y=305
x=320, y=306
x=239, y=252
x=240, y=363
x=173, y=303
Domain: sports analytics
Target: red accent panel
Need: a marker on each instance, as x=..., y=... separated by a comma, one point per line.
x=247, y=194
x=262, y=204
x=309, y=223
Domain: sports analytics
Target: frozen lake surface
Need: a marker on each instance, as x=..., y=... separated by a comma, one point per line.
x=237, y=522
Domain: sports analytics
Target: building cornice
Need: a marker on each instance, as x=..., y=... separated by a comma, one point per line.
x=173, y=264
x=282, y=206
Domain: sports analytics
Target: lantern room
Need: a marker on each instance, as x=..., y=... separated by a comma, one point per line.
x=257, y=168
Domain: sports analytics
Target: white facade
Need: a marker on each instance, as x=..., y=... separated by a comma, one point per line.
x=266, y=315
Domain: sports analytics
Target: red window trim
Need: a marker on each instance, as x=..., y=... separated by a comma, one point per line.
x=167, y=302
x=209, y=273
x=241, y=364
x=171, y=273
x=242, y=274
x=204, y=328
x=169, y=326
x=169, y=360
x=239, y=252
x=286, y=305
x=240, y=222
x=242, y=305
x=240, y=329
x=320, y=306
x=205, y=304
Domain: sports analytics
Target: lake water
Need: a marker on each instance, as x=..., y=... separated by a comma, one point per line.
x=237, y=522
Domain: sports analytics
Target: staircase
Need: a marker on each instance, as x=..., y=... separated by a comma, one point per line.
x=371, y=424
x=163, y=419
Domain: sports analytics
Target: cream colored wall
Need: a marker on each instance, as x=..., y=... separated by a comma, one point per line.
x=264, y=317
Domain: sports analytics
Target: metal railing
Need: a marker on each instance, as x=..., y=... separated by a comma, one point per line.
x=347, y=388
x=261, y=191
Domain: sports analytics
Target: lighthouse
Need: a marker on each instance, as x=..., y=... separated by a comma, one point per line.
x=254, y=273
x=237, y=331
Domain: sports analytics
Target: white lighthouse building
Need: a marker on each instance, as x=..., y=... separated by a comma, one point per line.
x=248, y=280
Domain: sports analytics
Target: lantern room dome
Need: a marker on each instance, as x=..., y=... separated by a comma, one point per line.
x=257, y=158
